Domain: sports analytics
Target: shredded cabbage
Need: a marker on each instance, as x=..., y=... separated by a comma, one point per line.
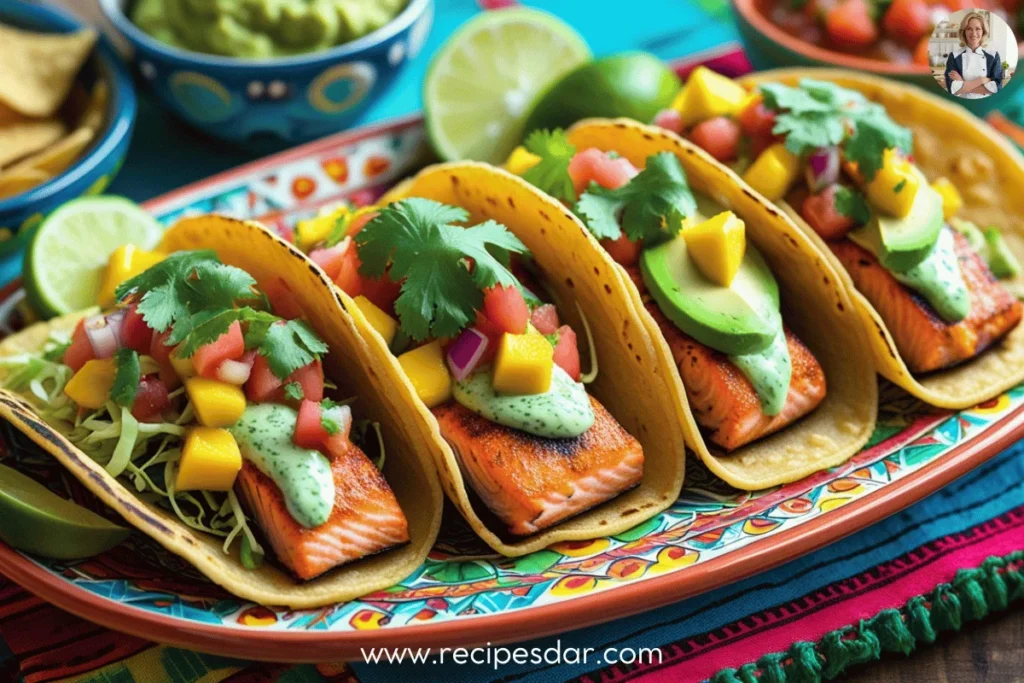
x=144, y=454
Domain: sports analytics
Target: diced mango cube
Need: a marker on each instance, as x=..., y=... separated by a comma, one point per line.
x=126, y=262
x=894, y=186
x=90, y=387
x=217, y=404
x=521, y=160
x=773, y=172
x=385, y=325
x=952, y=202
x=210, y=461
x=717, y=246
x=312, y=231
x=708, y=94
x=524, y=364
x=426, y=369
x=183, y=367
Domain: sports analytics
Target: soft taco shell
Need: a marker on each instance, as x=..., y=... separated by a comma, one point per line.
x=815, y=304
x=629, y=384
x=989, y=172
x=409, y=467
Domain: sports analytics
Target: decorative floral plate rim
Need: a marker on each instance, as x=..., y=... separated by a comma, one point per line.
x=706, y=540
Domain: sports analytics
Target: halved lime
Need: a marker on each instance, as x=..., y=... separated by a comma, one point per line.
x=65, y=262
x=635, y=85
x=36, y=520
x=482, y=83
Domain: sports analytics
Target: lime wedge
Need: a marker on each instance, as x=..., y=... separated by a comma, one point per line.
x=635, y=85
x=482, y=83
x=38, y=521
x=65, y=262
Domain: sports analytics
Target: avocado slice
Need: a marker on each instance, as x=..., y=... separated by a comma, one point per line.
x=740, y=319
x=902, y=243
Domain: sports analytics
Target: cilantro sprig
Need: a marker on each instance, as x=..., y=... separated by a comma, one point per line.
x=651, y=206
x=126, y=377
x=443, y=267
x=551, y=173
x=852, y=204
x=822, y=114
x=197, y=298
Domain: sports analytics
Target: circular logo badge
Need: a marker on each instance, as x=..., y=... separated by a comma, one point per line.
x=972, y=53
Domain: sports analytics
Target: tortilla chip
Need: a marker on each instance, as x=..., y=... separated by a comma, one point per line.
x=96, y=109
x=989, y=171
x=16, y=182
x=58, y=156
x=37, y=69
x=408, y=469
x=816, y=305
x=629, y=383
x=21, y=137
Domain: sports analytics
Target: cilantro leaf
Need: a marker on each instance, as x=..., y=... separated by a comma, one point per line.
x=899, y=186
x=126, y=378
x=293, y=391
x=330, y=420
x=176, y=266
x=216, y=285
x=872, y=135
x=551, y=173
x=289, y=346
x=653, y=204
x=852, y=204
x=440, y=291
x=779, y=97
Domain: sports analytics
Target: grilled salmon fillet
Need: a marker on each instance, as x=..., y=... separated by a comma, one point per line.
x=926, y=341
x=366, y=517
x=723, y=400
x=531, y=482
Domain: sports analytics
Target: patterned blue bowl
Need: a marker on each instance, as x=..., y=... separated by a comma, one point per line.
x=294, y=99
x=97, y=164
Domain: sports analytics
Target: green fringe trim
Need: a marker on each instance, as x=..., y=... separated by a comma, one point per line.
x=972, y=595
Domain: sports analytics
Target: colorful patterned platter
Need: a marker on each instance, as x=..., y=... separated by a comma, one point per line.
x=465, y=595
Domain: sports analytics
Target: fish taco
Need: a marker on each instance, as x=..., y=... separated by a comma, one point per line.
x=910, y=198
x=220, y=404
x=770, y=371
x=536, y=383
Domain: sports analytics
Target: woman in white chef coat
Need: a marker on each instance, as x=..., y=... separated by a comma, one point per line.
x=972, y=72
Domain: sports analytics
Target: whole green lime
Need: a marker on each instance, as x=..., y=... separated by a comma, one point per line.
x=635, y=85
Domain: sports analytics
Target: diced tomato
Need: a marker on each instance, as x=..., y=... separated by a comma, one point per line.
x=594, y=165
x=381, y=291
x=819, y=210
x=337, y=445
x=850, y=25
x=719, y=137
x=921, y=52
x=567, y=353
x=359, y=222
x=669, y=119
x=311, y=379
x=135, y=333
x=228, y=346
x=506, y=308
x=159, y=351
x=493, y=334
x=282, y=299
x=151, y=399
x=263, y=384
x=80, y=351
x=330, y=258
x=908, y=20
x=623, y=251
x=286, y=233
x=757, y=119
x=348, y=277
x=545, y=318
x=309, y=430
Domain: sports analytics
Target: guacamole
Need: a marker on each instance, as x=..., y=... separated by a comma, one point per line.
x=258, y=29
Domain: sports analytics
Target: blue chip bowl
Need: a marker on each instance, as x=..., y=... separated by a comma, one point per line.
x=98, y=163
x=294, y=99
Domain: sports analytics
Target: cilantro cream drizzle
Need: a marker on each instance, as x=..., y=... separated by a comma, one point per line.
x=264, y=435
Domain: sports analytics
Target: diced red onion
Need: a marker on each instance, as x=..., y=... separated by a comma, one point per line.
x=343, y=416
x=233, y=372
x=115, y=321
x=102, y=336
x=465, y=353
x=670, y=119
x=822, y=168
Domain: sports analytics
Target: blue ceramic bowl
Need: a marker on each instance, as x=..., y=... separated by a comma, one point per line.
x=99, y=162
x=294, y=99
x=769, y=47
